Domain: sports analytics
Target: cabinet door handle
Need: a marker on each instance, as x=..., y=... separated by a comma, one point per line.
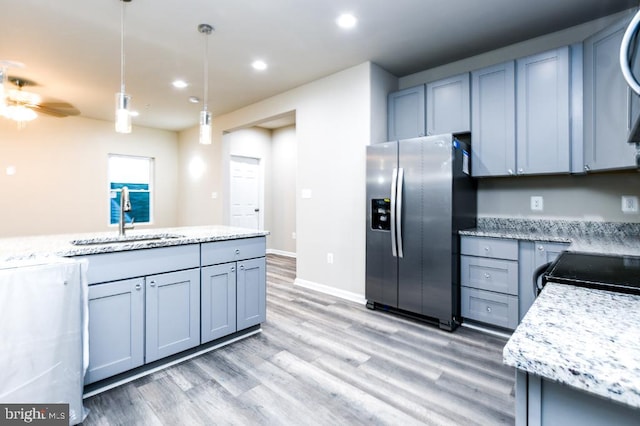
x=489, y=309
x=237, y=251
x=138, y=287
x=152, y=283
x=233, y=269
x=541, y=248
x=510, y=172
x=487, y=249
x=520, y=171
x=242, y=267
x=487, y=275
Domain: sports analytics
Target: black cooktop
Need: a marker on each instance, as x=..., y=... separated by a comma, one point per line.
x=606, y=272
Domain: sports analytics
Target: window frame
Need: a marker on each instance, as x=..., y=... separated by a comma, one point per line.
x=151, y=187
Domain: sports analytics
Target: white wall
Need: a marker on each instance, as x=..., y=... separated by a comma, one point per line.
x=333, y=127
x=60, y=184
x=281, y=205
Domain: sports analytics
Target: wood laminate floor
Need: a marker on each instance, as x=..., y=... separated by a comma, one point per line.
x=324, y=361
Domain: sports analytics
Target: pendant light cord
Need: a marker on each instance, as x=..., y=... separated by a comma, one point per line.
x=122, y=89
x=206, y=68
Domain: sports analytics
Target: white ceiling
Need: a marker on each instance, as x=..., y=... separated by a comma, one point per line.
x=72, y=47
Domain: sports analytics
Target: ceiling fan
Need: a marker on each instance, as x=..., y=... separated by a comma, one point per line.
x=23, y=105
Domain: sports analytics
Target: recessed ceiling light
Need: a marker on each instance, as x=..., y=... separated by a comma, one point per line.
x=179, y=84
x=259, y=65
x=346, y=20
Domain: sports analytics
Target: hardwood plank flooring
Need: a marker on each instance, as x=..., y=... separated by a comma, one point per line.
x=321, y=360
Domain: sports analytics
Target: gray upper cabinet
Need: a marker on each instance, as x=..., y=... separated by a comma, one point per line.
x=448, y=105
x=116, y=328
x=172, y=313
x=493, y=121
x=406, y=117
x=610, y=107
x=542, y=108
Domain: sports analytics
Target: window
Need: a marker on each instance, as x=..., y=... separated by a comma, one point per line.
x=136, y=174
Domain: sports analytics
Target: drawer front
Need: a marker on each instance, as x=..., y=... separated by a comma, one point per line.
x=217, y=252
x=137, y=263
x=489, y=274
x=488, y=307
x=489, y=247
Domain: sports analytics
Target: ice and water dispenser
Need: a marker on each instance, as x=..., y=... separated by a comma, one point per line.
x=381, y=214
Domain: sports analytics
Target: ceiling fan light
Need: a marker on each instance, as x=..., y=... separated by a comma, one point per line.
x=21, y=113
x=205, y=128
x=22, y=97
x=123, y=115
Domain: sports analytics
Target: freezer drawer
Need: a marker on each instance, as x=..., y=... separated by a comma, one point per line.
x=489, y=274
x=488, y=307
x=489, y=247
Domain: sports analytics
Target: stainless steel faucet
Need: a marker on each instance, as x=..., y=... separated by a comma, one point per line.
x=125, y=206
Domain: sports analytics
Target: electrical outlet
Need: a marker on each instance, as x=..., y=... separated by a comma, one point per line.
x=629, y=204
x=330, y=258
x=537, y=203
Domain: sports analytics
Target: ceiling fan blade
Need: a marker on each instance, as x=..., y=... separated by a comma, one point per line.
x=55, y=109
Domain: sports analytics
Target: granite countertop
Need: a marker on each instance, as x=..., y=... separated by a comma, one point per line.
x=20, y=248
x=588, y=237
x=585, y=338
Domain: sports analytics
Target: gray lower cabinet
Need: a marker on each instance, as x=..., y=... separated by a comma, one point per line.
x=489, y=280
x=252, y=293
x=218, y=301
x=541, y=402
x=493, y=120
x=116, y=328
x=531, y=255
x=405, y=113
x=233, y=281
x=448, y=105
x=610, y=107
x=172, y=312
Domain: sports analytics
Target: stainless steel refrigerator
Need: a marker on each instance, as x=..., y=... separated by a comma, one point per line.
x=419, y=195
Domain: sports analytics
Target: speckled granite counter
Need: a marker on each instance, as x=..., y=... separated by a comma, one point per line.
x=20, y=248
x=590, y=237
x=584, y=338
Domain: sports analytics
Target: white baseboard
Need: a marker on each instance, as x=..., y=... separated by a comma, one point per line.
x=282, y=253
x=342, y=294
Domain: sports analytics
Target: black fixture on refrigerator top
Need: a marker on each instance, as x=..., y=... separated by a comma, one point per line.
x=419, y=195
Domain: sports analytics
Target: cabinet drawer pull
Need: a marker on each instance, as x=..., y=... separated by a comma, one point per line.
x=489, y=309
x=487, y=275
x=237, y=251
x=487, y=249
x=510, y=172
x=520, y=171
x=541, y=248
x=233, y=269
x=152, y=283
x=138, y=287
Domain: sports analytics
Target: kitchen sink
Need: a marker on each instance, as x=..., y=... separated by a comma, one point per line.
x=125, y=239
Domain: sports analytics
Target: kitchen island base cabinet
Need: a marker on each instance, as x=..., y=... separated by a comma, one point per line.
x=252, y=293
x=218, y=301
x=116, y=342
x=541, y=402
x=172, y=313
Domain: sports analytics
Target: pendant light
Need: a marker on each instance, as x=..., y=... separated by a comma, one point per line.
x=3, y=90
x=205, y=114
x=123, y=115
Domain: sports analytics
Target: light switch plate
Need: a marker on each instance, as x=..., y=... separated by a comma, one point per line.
x=537, y=203
x=629, y=204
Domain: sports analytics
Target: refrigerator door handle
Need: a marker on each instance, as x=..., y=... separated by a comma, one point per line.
x=398, y=218
x=394, y=185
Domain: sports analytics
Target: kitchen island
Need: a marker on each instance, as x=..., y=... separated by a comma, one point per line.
x=157, y=297
x=577, y=355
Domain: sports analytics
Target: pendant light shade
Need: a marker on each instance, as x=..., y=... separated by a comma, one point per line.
x=123, y=101
x=205, y=114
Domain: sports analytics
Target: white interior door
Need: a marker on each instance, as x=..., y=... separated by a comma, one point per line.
x=245, y=192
